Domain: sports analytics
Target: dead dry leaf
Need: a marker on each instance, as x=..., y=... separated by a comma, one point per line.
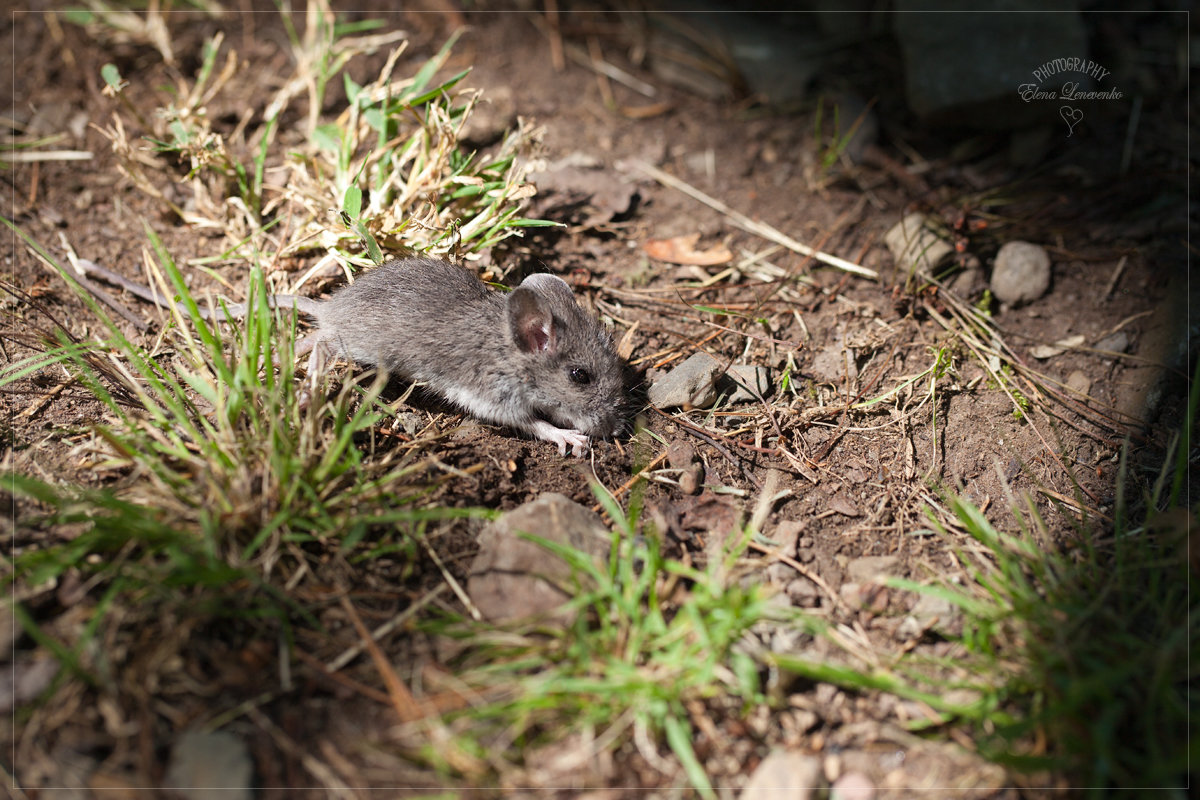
x=1044, y=351
x=682, y=250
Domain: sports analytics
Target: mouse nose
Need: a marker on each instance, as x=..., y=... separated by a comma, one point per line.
x=612, y=424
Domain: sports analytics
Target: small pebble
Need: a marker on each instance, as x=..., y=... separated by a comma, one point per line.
x=692, y=479
x=680, y=454
x=865, y=569
x=852, y=786
x=1114, y=343
x=742, y=376
x=210, y=766
x=784, y=775
x=915, y=246
x=1078, y=382
x=1021, y=273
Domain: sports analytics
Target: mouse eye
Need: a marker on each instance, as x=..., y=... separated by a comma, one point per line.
x=580, y=375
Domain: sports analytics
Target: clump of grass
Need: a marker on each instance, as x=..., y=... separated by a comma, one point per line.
x=217, y=436
x=1075, y=664
x=218, y=476
x=627, y=667
x=387, y=173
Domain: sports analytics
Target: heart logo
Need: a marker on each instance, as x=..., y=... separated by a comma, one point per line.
x=1071, y=116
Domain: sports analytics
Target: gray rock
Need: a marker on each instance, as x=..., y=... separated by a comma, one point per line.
x=210, y=766
x=916, y=246
x=852, y=786
x=1079, y=382
x=970, y=282
x=691, y=384
x=784, y=775
x=966, y=68
x=1021, y=273
x=691, y=481
x=871, y=569
x=26, y=678
x=514, y=578
x=803, y=593
x=929, y=612
x=680, y=454
x=743, y=376
x=1114, y=343
x=699, y=381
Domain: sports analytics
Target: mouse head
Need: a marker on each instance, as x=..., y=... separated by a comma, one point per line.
x=573, y=377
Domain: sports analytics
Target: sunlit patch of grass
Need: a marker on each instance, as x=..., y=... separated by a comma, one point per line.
x=387, y=173
x=212, y=489
x=650, y=636
x=218, y=474
x=217, y=437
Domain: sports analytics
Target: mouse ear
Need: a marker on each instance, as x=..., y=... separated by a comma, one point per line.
x=530, y=321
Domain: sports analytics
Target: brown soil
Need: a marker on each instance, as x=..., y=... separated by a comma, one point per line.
x=859, y=482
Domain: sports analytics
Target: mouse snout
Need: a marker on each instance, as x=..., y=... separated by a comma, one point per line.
x=606, y=419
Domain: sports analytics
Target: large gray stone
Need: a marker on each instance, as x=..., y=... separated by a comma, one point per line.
x=699, y=381
x=964, y=67
x=514, y=578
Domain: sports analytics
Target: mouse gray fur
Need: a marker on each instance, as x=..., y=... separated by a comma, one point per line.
x=531, y=359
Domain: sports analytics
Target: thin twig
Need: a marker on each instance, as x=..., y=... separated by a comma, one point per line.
x=778, y=555
x=1116, y=276
x=403, y=702
x=699, y=433
x=757, y=228
x=383, y=630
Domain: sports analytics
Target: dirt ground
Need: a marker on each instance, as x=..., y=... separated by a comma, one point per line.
x=858, y=481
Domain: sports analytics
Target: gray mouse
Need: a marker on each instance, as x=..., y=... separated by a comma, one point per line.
x=531, y=359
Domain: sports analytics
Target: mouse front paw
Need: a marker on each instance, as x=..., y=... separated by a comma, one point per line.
x=577, y=440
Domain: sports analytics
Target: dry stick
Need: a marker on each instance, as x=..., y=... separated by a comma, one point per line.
x=606, y=93
x=403, y=702
x=778, y=555
x=1074, y=504
x=1116, y=276
x=602, y=67
x=383, y=630
x=757, y=228
x=97, y=292
x=43, y=401
x=625, y=487
x=450, y=579
x=1016, y=405
x=342, y=679
x=556, y=41
x=961, y=311
x=1096, y=416
x=317, y=768
x=702, y=435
